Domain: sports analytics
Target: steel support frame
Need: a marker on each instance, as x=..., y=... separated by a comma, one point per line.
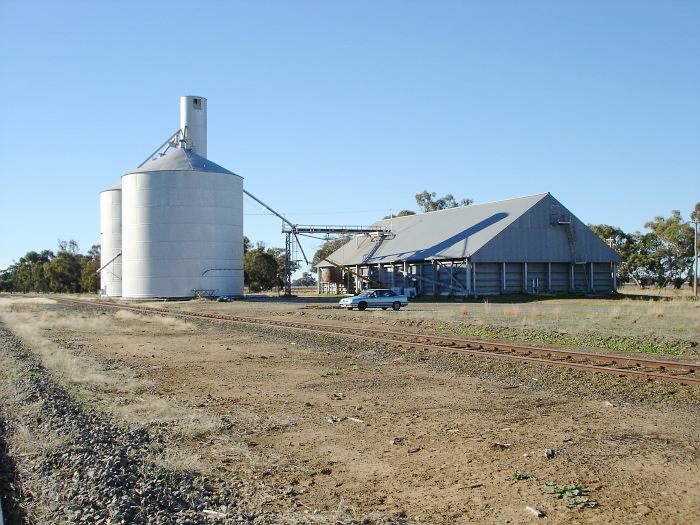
x=452, y=277
x=288, y=263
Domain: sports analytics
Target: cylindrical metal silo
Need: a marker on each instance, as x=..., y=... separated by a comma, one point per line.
x=111, y=242
x=182, y=228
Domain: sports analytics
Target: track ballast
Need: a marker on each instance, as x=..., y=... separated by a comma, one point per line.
x=621, y=366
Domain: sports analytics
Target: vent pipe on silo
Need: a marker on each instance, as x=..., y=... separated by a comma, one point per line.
x=193, y=123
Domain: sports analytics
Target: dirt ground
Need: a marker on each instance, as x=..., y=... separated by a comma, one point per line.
x=415, y=436
x=660, y=325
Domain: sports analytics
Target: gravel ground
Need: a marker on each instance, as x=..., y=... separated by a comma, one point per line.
x=632, y=443
x=102, y=474
x=564, y=381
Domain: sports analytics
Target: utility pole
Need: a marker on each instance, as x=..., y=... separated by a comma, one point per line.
x=695, y=247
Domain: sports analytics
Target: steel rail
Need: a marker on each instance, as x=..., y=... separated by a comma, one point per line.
x=573, y=359
x=454, y=342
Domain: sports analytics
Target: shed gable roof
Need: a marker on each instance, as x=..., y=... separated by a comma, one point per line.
x=454, y=233
x=534, y=238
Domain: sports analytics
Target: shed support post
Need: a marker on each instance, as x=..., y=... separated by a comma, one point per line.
x=466, y=275
x=435, y=286
x=571, y=278
x=452, y=275
x=318, y=281
x=474, y=278
x=525, y=278
x=405, y=275
x=549, y=277
x=393, y=275
x=358, y=281
x=591, y=281
x=503, y=277
x=613, y=267
x=419, y=271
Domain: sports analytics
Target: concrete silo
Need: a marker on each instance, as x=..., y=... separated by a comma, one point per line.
x=182, y=219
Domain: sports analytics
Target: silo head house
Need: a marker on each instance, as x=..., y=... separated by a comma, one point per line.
x=178, y=231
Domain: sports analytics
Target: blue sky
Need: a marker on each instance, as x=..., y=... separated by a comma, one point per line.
x=337, y=112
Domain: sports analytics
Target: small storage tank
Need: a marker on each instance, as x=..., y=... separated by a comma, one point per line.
x=111, y=242
x=331, y=275
x=182, y=228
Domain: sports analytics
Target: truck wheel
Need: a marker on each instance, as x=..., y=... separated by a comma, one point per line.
x=362, y=306
x=349, y=307
x=396, y=305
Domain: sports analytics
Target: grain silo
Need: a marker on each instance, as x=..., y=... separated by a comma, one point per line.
x=111, y=241
x=182, y=219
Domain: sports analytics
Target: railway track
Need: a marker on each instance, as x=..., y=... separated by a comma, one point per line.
x=621, y=366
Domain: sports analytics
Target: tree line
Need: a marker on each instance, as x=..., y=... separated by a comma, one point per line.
x=662, y=256
x=64, y=271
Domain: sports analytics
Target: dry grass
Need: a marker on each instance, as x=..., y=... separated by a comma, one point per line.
x=239, y=452
x=621, y=317
x=173, y=323
x=77, y=370
x=28, y=442
x=677, y=319
x=683, y=294
x=179, y=459
x=186, y=422
x=121, y=391
x=18, y=411
x=21, y=300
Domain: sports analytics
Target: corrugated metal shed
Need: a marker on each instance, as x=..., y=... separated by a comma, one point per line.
x=535, y=228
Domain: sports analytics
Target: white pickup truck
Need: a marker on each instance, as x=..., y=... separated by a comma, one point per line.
x=375, y=298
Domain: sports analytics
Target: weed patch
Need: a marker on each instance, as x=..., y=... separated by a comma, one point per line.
x=573, y=496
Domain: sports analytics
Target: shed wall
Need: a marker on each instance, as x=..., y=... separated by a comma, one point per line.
x=536, y=280
x=489, y=278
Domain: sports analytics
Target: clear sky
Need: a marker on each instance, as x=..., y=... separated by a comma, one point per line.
x=336, y=112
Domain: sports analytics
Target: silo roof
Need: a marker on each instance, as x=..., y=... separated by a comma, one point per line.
x=118, y=187
x=181, y=159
